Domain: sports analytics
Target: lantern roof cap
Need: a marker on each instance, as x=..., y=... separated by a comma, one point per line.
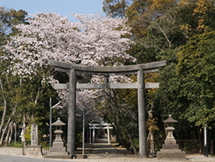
x=170, y=120
x=58, y=122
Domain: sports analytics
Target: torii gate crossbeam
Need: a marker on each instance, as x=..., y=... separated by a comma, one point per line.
x=138, y=69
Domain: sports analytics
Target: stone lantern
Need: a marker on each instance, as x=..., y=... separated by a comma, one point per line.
x=58, y=150
x=58, y=132
x=170, y=148
x=170, y=138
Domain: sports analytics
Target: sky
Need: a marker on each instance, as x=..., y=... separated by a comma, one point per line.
x=62, y=7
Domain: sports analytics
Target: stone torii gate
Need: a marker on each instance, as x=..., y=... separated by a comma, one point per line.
x=100, y=126
x=138, y=69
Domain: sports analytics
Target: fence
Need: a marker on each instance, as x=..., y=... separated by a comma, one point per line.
x=189, y=146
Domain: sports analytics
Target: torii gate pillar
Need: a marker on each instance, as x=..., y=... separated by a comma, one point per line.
x=141, y=114
x=71, y=113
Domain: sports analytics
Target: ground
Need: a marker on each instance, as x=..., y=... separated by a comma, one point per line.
x=101, y=152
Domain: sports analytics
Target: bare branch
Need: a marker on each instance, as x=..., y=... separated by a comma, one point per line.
x=159, y=27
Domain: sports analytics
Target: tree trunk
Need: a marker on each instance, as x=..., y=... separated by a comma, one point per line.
x=35, y=102
x=2, y=136
x=151, y=134
x=5, y=107
x=11, y=134
x=200, y=140
x=15, y=129
x=130, y=139
x=23, y=131
x=3, y=133
x=152, y=143
x=8, y=133
x=120, y=137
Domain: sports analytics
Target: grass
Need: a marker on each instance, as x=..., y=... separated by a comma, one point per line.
x=18, y=144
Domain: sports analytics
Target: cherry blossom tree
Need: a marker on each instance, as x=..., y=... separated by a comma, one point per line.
x=93, y=40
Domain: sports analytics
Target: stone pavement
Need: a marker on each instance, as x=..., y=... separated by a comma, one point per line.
x=101, y=149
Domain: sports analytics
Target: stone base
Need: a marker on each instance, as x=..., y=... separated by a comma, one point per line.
x=34, y=150
x=58, y=151
x=58, y=156
x=170, y=146
x=171, y=154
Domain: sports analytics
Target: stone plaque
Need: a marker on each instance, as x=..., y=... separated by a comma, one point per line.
x=34, y=134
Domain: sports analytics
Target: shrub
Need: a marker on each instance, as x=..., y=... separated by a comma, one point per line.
x=28, y=134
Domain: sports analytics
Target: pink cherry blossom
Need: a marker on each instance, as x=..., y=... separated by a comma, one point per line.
x=94, y=40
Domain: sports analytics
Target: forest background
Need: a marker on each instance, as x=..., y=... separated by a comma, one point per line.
x=181, y=32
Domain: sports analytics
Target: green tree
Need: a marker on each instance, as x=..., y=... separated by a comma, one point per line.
x=8, y=107
x=9, y=18
x=169, y=99
x=19, y=96
x=173, y=97
x=116, y=7
x=196, y=69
